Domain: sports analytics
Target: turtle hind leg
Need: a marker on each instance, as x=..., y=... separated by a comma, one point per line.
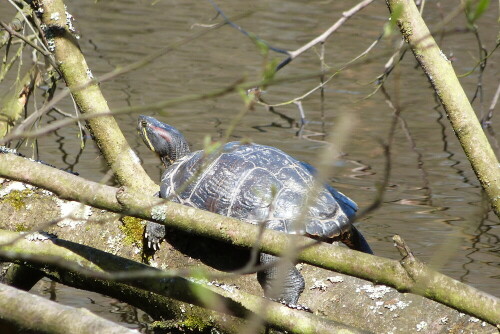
x=154, y=234
x=357, y=241
x=293, y=283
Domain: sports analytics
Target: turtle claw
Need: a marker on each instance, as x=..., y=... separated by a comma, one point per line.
x=293, y=306
x=153, y=245
x=298, y=307
x=154, y=234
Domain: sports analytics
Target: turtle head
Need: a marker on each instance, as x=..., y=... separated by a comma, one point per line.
x=163, y=139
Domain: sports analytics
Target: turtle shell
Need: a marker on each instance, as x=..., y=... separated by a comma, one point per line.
x=258, y=184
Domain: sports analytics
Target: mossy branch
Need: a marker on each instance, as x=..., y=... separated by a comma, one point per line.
x=441, y=288
x=88, y=96
x=13, y=103
x=41, y=315
x=452, y=96
x=92, y=269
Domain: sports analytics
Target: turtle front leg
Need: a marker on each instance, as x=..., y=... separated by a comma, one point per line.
x=293, y=283
x=154, y=234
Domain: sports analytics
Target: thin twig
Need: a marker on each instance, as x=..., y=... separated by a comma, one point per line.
x=381, y=188
x=18, y=131
x=26, y=40
x=324, y=36
x=487, y=120
x=29, y=24
x=244, y=32
x=158, y=106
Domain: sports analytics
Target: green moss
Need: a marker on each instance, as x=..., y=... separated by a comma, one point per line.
x=189, y=325
x=133, y=228
x=194, y=324
x=21, y=228
x=163, y=325
x=16, y=198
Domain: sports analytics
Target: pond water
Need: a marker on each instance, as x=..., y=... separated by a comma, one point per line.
x=433, y=199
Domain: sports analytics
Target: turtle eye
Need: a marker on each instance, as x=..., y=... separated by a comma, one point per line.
x=144, y=124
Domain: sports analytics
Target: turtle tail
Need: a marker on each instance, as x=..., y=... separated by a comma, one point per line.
x=355, y=240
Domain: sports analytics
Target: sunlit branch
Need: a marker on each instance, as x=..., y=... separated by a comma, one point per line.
x=324, y=36
x=243, y=234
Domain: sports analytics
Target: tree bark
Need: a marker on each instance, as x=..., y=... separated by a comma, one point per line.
x=462, y=117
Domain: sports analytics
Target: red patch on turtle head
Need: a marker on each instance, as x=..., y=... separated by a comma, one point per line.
x=162, y=133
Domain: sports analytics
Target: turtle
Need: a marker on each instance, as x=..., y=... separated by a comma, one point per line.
x=255, y=183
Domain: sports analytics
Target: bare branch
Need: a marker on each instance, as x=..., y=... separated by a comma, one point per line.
x=74, y=262
x=36, y=313
x=453, y=98
x=26, y=40
x=486, y=121
x=440, y=288
x=324, y=36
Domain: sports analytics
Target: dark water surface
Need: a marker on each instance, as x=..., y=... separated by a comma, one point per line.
x=433, y=201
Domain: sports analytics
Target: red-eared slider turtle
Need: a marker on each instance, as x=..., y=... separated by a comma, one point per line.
x=255, y=183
